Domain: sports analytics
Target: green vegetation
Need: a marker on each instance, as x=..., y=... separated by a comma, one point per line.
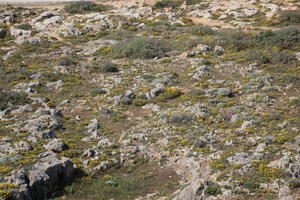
x=66, y=61
x=84, y=6
x=104, y=67
x=24, y=26
x=167, y=4
x=212, y=189
x=169, y=93
x=118, y=186
x=285, y=38
x=234, y=40
x=15, y=99
x=288, y=17
x=140, y=47
x=97, y=91
x=269, y=57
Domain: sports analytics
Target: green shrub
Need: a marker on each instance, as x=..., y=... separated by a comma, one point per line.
x=285, y=38
x=192, y=2
x=24, y=26
x=84, y=6
x=166, y=4
x=212, y=189
x=104, y=67
x=268, y=56
x=15, y=99
x=140, y=101
x=169, y=93
x=161, y=26
x=199, y=30
x=66, y=61
x=97, y=91
x=184, y=44
x=234, y=40
x=289, y=17
x=140, y=47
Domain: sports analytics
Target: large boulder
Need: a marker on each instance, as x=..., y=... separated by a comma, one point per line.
x=46, y=177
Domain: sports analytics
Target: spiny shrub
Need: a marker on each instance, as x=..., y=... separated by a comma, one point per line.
x=166, y=4
x=234, y=40
x=199, y=30
x=139, y=47
x=212, y=189
x=12, y=98
x=268, y=56
x=161, y=26
x=289, y=17
x=66, y=61
x=97, y=91
x=104, y=67
x=24, y=26
x=285, y=38
x=192, y=2
x=84, y=6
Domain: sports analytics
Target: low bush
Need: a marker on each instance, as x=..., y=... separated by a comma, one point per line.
x=84, y=6
x=169, y=93
x=167, y=4
x=235, y=40
x=285, y=38
x=199, y=30
x=24, y=26
x=289, y=17
x=212, y=189
x=7, y=98
x=104, y=67
x=66, y=61
x=140, y=47
x=97, y=91
x=268, y=56
x=192, y=2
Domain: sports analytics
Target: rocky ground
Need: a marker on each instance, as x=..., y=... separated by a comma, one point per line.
x=174, y=100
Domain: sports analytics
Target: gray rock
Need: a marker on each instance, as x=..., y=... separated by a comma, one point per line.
x=192, y=192
x=199, y=110
x=154, y=93
x=124, y=99
x=104, y=143
x=219, y=50
x=45, y=178
x=239, y=158
x=23, y=146
x=48, y=134
x=55, y=145
x=236, y=117
x=2, y=33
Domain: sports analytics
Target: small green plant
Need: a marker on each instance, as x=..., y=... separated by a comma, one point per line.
x=84, y=6
x=269, y=56
x=285, y=38
x=66, y=61
x=212, y=189
x=166, y=4
x=12, y=98
x=24, y=26
x=199, y=30
x=97, y=91
x=140, y=47
x=139, y=102
x=289, y=17
x=235, y=40
x=169, y=93
x=104, y=67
